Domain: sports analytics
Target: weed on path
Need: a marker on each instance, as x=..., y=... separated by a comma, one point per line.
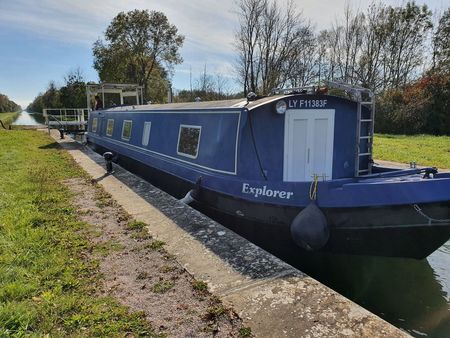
x=142, y=275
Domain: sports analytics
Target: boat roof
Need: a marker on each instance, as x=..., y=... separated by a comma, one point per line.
x=222, y=104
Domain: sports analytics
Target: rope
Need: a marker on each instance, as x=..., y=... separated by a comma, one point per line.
x=430, y=219
x=313, y=188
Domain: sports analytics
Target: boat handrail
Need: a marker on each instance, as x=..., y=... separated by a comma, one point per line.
x=402, y=172
x=294, y=90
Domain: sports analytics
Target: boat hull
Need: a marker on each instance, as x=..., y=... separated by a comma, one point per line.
x=394, y=231
x=366, y=231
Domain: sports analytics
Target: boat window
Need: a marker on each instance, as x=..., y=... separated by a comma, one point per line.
x=110, y=127
x=146, y=133
x=94, y=125
x=188, y=140
x=126, y=130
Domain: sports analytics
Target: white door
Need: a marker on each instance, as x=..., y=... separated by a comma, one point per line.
x=308, y=144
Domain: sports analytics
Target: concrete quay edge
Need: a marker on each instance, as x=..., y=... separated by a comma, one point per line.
x=273, y=298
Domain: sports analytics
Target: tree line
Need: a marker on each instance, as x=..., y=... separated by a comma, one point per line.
x=71, y=95
x=400, y=52
x=139, y=47
x=384, y=48
x=6, y=105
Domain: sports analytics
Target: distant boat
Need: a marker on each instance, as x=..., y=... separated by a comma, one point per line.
x=294, y=168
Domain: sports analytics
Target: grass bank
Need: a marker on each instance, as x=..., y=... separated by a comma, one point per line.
x=8, y=118
x=47, y=286
x=426, y=150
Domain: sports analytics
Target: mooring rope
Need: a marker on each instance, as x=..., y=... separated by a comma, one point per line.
x=313, y=188
x=430, y=219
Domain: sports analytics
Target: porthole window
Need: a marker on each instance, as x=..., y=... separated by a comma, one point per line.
x=126, y=130
x=94, y=125
x=189, y=140
x=146, y=133
x=110, y=127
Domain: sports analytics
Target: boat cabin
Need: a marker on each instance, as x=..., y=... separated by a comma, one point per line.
x=291, y=136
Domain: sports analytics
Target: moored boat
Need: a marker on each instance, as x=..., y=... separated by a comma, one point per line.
x=293, y=169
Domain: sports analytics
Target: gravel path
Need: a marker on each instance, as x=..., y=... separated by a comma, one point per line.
x=138, y=271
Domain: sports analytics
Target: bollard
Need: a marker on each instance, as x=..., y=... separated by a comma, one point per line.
x=108, y=158
x=61, y=133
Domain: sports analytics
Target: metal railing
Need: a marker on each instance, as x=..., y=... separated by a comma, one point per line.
x=63, y=117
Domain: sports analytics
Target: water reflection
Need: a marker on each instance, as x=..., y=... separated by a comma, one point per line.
x=29, y=119
x=411, y=294
x=440, y=261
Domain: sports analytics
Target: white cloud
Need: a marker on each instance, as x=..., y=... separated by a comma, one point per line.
x=208, y=25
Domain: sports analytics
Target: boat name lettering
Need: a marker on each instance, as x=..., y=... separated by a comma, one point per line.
x=256, y=192
x=307, y=103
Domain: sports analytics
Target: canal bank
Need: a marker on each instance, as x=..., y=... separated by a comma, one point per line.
x=6, y=119
x=272, y=297
x=49, y=284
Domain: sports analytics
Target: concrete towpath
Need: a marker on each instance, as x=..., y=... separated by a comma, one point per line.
x=273, y=298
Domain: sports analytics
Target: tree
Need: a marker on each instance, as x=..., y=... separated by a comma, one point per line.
x=246, y=41
x=141, y=47
x=50, y=99
x=403, y=50
x=73, y=93
x=403, y=111
x=370, y=64
x=348, y=40
x=267, y=43
x=441, y=44
x=380, y=49
x=6, y=105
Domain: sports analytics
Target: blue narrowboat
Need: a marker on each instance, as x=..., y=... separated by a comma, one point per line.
x=294, y=169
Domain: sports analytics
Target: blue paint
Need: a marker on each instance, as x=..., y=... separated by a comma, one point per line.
x=227, y=159
x=269, y=135
x=218, y=135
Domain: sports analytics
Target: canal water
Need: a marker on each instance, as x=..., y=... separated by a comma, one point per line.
x=29, y=119
x=411, y=294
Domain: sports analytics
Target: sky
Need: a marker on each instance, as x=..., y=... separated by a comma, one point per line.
x=41, y=41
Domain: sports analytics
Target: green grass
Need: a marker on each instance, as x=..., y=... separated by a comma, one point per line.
x=136, y=225
x=163, y=286
x=8, y=118
x=200, y=286
x=47, y=287
x=245, y=332
x=426, y=150
x=156, y=245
